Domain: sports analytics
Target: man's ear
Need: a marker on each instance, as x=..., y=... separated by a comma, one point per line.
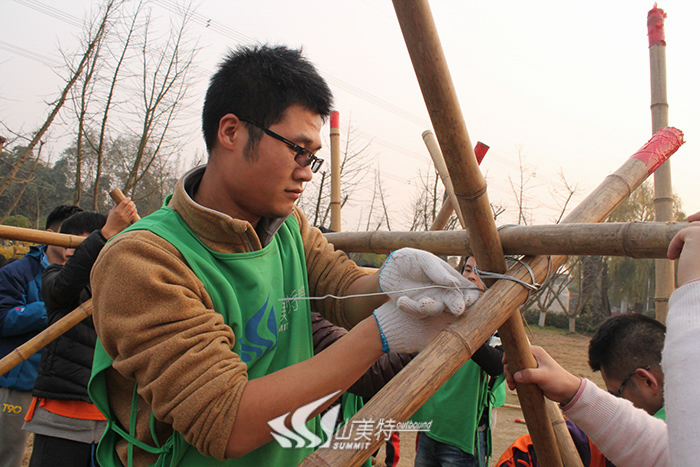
x=649, y=380
x=229, y=130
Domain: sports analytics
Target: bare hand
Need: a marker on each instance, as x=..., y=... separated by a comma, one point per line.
x=685, y=247
x=119, y=218
x=555, y=382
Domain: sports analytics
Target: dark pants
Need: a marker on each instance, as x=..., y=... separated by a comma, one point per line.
x=58, y=452
x=432, y=453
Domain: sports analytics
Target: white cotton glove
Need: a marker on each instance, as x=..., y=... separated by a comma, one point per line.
x=409, y=268
x=406, y=332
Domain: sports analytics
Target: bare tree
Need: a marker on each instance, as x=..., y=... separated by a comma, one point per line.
x=165, y=77
x=521, y=187
x=99, y=146
x=92, y=43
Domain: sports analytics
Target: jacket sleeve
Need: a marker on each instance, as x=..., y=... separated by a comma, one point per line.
x=680, y=365
x=329, y=271
x=326, y=333
x=18, y=313
x=62, y=284
x=155, y=319
x=490, y=359
x=624, y=434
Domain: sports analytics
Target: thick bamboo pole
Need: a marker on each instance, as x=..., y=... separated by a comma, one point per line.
x=430, y=65
x=408, y=390
x=45, y=337
x=663, y=189
x=631, y=239
x=335, y=171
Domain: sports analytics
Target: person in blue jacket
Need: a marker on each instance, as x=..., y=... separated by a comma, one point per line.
x=22, y=316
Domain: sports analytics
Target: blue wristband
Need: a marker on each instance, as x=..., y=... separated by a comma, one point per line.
x=385, y=344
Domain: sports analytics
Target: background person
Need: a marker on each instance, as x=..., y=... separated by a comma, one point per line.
x=65, y=423
x=23, y=316
x=460, y=410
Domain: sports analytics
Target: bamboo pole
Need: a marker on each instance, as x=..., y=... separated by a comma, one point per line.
x=335, y=171
x=663, y=189
x=42, y=237
x=117, y=196
x=631, y=239
x=419, y=380
x=439, y=162
x=442, y=216
x=451, y=204
x=430, y=65
x=45, y=337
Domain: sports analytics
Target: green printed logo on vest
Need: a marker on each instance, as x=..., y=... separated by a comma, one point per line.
x=260, y=333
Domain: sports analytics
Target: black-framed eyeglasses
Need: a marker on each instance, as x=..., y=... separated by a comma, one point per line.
x=627, y=379
x=302, y=156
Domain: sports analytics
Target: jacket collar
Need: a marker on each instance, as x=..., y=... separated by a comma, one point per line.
x=217, y=230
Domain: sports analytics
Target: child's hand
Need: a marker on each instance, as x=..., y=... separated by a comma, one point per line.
x=119, y=218
x=685, y=247
x=556, y=383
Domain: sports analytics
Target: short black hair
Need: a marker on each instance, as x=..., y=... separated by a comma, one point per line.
x=83, y=222
x=59, y=214
x=626, y=342
x=260, y=83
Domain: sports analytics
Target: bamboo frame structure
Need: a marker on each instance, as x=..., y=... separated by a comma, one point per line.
x=429, y=62
x=663, y=189
x=631, y=239
x=419, y=380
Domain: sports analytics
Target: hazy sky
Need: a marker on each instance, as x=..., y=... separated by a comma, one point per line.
x=564, y=84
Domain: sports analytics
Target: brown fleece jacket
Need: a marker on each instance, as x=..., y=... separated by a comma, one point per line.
x=157, y=322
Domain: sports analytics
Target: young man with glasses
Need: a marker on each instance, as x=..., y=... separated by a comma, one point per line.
x=626, y=349
x=203, y=340
x=626, y=435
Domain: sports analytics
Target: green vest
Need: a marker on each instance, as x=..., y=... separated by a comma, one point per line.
x=270, y=334
x=456, y=408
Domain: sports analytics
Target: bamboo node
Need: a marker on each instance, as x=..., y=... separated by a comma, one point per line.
x=461, y=339
x=475, y=195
